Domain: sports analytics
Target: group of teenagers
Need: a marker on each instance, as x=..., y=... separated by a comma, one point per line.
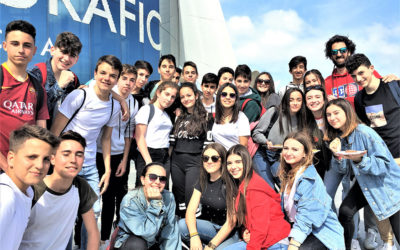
x=250, y=168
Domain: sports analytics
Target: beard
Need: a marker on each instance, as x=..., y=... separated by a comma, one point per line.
x=340, y=65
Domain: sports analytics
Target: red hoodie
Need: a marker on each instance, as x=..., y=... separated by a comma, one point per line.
x=343, y=86
x=264, y=216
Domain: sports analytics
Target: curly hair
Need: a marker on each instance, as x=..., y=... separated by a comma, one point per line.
x=336, y=39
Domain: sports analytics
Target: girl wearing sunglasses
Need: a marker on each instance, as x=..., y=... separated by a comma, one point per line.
x=148, y=214
x=187, y=141
x=362, y=153
x=153, y=126
x=305, y=201
x=273, y=127
x=231, y=125
x=214, y=226
x=256, y=206
x=315, y=103
x=266, y=88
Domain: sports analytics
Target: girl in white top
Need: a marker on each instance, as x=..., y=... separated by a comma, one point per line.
x=231, y=126
x=153, y=126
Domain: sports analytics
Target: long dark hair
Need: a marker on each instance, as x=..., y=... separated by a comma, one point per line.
x=241, y=151
x=284, y=111
x=219, y=110
x=317, y=74
x=271, y=89
x=195, y=124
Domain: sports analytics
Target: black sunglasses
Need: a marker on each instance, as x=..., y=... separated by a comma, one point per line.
x=154, y=177
x=266, y=82
x=213, y=158
x=315, y=87
x=231, y=95
x=341, y=50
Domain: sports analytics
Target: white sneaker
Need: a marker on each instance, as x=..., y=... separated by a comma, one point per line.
x=387, y=246
x=355, y=245
x=370, y=239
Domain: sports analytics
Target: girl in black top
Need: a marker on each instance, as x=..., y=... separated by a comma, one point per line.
x=187, y=140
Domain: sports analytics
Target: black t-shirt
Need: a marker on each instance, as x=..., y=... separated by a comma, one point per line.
x=213, y=202
x=381, y=112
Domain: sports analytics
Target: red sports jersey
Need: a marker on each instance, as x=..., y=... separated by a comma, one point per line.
x=17, y=107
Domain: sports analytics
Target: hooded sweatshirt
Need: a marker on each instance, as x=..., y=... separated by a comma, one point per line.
x=253, y=108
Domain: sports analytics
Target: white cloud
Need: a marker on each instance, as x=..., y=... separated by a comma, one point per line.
x=269, y=42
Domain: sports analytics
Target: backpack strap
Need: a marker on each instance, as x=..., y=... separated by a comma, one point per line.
x=395, y=89
x=43, y=70
x=274, y=118
x=245, y=103
x=151, y=114
x=77, y=110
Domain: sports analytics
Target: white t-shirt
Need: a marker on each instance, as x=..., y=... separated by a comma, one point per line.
x=124, y=129
x=210, y=108
x=159, y=128
x=90, y=119
x=15, y=208
x=228, y=134
x=53, y=215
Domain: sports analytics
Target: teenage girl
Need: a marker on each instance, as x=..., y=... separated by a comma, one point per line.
x=314, y=77
x=304, y=198
x=372, y=165
x=187, y=141
x=257, y=205
x=231, y=125
x=153, y=129
x=290, y=116
x=214, y=226
x=148, y=214
x=266, y=88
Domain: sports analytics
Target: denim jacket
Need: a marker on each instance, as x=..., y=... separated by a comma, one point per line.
x=155, y=221
x=377, y=174
x=314, y=212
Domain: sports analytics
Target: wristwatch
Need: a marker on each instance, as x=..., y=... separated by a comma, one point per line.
x=211, y=245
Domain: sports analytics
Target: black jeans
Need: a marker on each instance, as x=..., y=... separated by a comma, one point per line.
x=137, y=243
x=312, y=243
x=117, y=188
x=185, y=169
x=157, y=155
x=353, y=202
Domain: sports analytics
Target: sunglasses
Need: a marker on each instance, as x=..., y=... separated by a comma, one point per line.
x=336, y=51
x=316, y=87
x=266, y=82
x=231, y=95
x=154, y=177
x=213, y=158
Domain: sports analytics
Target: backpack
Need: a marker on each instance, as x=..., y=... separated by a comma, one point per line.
x=36, y=84
x=79, y=108
x=43, y=69
x=252, y=147
x=394, y=87
x=263, y=109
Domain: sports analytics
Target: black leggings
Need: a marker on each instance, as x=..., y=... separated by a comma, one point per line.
x=117, y=188
x=185, y=169
x=312, y=243
x=353, y=202
x=157, y=155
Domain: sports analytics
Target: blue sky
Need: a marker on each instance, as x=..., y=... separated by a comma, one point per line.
x=266, y=34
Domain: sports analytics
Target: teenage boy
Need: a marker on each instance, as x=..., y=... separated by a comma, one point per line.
x=120, y=146
x=59, y=198
x=166, y=69
x=144, y=70
x=22, y=98
x=189, y=72
x=177, y=75
x=28, y=160
x=55, y=73
x=252, y=109
x=225, y=74
x=209, y=85
x=297, y=68
x=87, y=111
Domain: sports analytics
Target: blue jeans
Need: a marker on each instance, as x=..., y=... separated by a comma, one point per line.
x=241, y=245
x=91, y=175
x=207, y=231
x=266, y=164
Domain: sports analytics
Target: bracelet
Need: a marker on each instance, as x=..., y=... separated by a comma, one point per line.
x=291, y=244
x=194, y=234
